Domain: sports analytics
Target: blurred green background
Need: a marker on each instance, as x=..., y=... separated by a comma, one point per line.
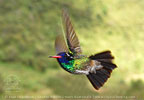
x=27, y=33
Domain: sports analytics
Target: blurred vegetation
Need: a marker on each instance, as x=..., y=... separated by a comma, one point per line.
x=28, y=29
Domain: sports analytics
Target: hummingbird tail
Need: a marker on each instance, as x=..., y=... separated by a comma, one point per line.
x=100, y=77
x=105, y=58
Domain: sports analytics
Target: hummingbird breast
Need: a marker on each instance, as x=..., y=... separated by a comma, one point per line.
x=70, y=64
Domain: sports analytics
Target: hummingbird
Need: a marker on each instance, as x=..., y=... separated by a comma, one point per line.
x=97, y=67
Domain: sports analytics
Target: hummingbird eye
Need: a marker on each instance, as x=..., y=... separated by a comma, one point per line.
x=68, y=56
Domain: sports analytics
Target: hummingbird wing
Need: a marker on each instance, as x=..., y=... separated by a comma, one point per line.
x=60, y=44
x=71, y=37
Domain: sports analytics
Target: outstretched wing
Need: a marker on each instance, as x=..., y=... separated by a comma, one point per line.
x=60, y=44
x=71, y=37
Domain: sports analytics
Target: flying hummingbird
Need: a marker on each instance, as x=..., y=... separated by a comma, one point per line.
x=96, y=67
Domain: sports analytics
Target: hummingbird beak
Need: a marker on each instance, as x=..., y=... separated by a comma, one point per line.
x=55, y=56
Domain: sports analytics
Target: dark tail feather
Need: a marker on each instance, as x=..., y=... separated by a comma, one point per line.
x=101, y=76
x=102, y=55
x=105, y=58
x=98, y=79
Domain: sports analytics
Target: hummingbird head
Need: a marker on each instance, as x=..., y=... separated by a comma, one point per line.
x=66, y=60
x=63, y=57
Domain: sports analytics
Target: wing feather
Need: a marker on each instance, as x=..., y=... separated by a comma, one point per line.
x=71, y=37
x=60, y=44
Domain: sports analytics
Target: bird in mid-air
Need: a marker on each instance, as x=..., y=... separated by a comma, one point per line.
x=97, y=67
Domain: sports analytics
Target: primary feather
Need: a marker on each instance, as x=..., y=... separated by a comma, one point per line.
x=72, y=39
x=60, y=45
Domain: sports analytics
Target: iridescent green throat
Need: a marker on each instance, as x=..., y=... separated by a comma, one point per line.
x=69, y=65
x=76, y=64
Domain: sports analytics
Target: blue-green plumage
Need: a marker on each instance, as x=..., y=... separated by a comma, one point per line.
x=71, y=64
x=65, y=62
